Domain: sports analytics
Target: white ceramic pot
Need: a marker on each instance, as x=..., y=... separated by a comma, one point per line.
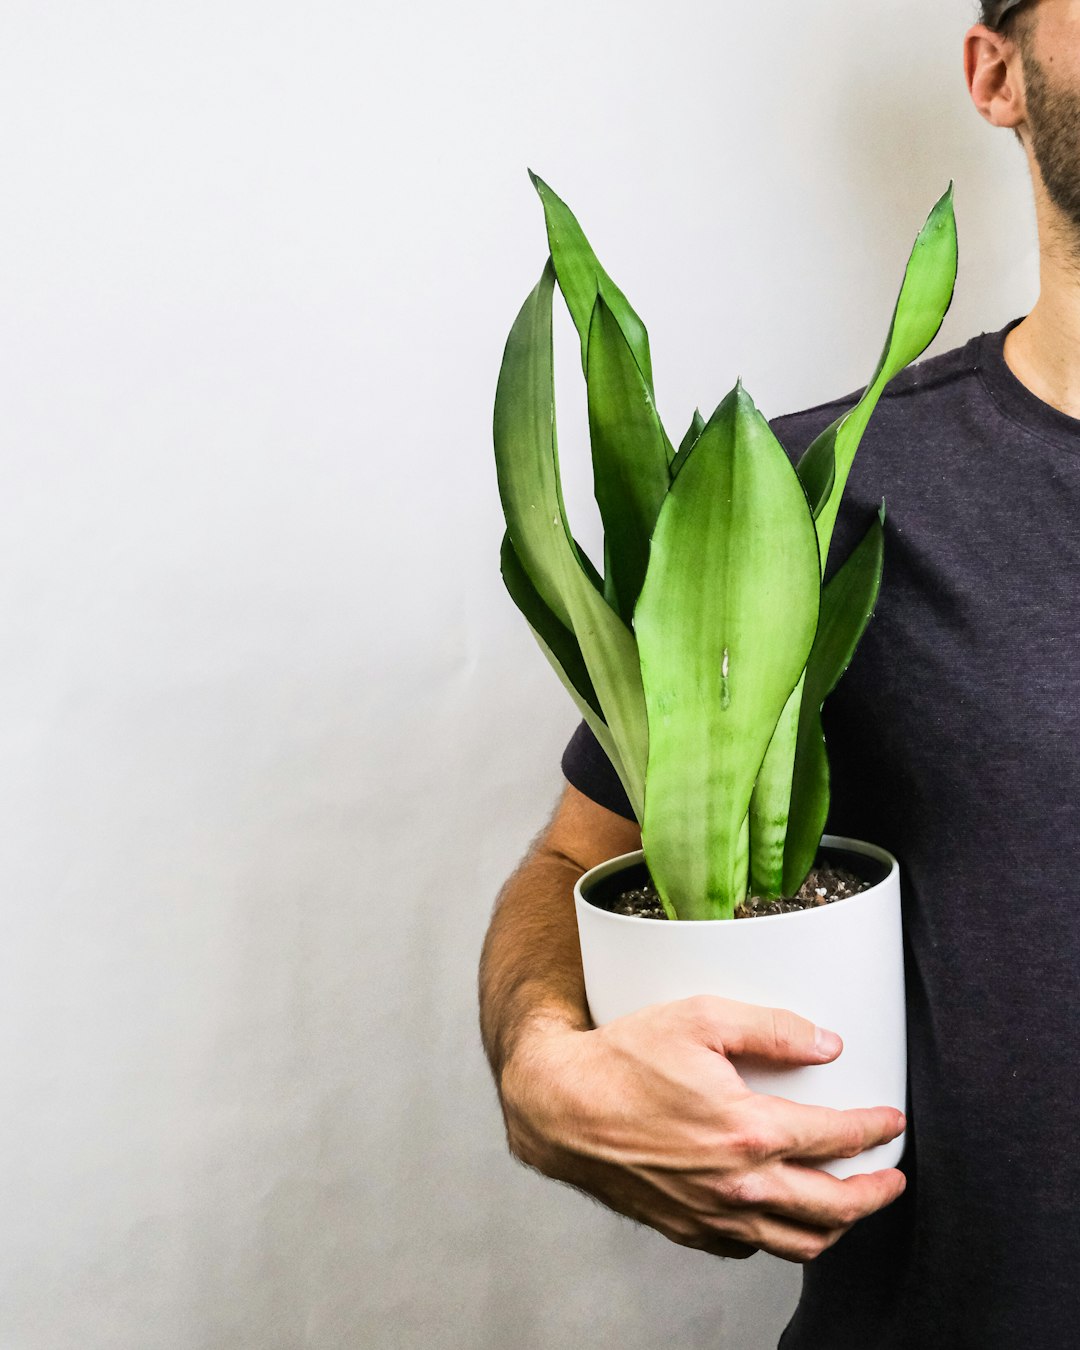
x=840, y=965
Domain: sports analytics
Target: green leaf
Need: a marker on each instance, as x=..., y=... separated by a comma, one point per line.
x=630, y=466
x=527, y=461
x=693, y=431
x=770, y=804
x=924, y=300
x=562, y=651
x=742, y=849
x=581, y=279
x=596, y=724
x=725, y=622
x=777, y=815
x=847, y=603
x=817, y=467
x=560, y=643
x=609, y=583
x=526, y=457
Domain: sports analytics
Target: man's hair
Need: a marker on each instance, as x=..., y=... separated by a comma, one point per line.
x=990, y=14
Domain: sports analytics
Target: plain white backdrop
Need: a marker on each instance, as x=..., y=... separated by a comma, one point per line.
x=271, y=734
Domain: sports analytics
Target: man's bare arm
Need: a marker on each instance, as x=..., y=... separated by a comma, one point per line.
x=530, y=969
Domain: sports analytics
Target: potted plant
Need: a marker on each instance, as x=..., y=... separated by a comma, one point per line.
x=701, y=658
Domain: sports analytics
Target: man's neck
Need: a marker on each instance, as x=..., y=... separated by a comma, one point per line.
x=1043, y=351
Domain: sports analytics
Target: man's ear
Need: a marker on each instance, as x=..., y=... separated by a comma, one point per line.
x=995, y=76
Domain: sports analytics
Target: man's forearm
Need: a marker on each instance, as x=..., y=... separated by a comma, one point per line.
x=530, y=969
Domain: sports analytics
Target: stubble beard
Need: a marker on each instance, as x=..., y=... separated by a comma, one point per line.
x=1053, y=117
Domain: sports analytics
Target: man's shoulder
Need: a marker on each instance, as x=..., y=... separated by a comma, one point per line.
x=922, y=389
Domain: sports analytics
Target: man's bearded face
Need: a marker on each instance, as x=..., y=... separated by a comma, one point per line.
x=1053, y=116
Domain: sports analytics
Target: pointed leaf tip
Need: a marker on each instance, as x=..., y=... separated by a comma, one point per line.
x=542, y=189
x=943, y=207
x=744, y=398
x=581, y=276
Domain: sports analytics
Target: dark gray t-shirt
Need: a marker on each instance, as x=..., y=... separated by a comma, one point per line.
x=954, y=742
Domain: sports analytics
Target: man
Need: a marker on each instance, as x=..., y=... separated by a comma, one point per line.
x=954, y=740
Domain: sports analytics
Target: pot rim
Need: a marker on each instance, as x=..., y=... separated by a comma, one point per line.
x=837, y=841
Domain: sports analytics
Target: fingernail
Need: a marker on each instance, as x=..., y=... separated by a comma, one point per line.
x=827, y=1043
x=903, y=1124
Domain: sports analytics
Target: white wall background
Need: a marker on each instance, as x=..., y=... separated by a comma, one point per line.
x=271, y=735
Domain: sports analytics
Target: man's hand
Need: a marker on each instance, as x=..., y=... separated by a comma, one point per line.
x=649, y=1115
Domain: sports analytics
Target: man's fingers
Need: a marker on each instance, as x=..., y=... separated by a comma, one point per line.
x=808, y=1196
x=786, y=1129
x=793, y=1241
x=747, y=1030
x=793, y=1211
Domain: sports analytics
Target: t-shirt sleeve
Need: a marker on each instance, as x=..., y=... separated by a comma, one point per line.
x=586, y=767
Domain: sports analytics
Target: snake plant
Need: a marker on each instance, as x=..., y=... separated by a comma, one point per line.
x=702, y=656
